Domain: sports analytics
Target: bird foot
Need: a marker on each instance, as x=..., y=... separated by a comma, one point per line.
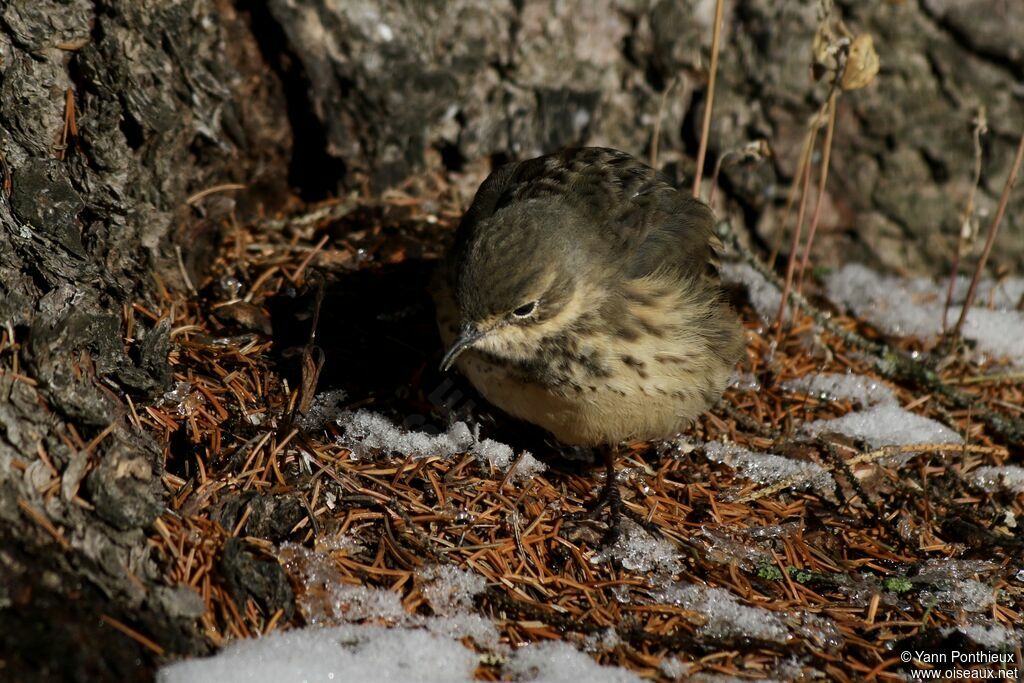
x=610, y=499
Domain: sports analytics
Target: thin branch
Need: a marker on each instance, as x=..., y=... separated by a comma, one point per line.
x=791, y=265
x=805, y=158
x=656, y=138
x=966, y=222
x=213, y=190
x=885, y=451
x=822, y=178
x=991, y=237
x=706, y=129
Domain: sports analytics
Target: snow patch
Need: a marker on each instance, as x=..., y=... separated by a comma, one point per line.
x=674, y=668
x=991, y=635
x=326, y=407
x=881, y=421
x=768, y=469
x=450, y=589
x=366, y=431
x=966, y=594
x=746, y=547
x=558, y=662
x=951, y=585
x=726, y=617
x=639, y=551
x=764, y=296
x=326, y=599
x=886, y=425
x=341, y=653
x=1006, y=478
x=602, y=641
x=860, y=389
x=913, y=307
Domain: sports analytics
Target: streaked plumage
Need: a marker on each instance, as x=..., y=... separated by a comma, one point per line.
x=625, y=336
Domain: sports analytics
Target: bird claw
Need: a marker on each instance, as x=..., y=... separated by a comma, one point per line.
x=610, y=498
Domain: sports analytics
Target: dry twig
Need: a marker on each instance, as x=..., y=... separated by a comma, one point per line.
x=993, y=230
x=705, y=132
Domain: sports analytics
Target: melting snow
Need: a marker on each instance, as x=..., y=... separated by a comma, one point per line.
x=967, y=594
x=726, y=617
x=886, y=425
x=913, y=307
x=450, y=589
x=326, y=406
x=828, y=386
x=558, y=662
x=764, y=295
x=880, y=422
x=366, y=431
x=639, y=551
x=1007, y=478
x=991, y=635
x=326, y=599
x=341, y=653
x=951, y=583
x=373, y=431
x=602, y=641
x=674, y=668
x=768, y=469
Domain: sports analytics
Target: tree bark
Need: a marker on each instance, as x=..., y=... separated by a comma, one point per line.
x=114, y=112
x=111, y=114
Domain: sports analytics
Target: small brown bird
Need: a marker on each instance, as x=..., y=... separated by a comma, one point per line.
x=582, y=295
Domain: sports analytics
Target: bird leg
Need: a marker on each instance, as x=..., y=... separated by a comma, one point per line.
x=612, y=497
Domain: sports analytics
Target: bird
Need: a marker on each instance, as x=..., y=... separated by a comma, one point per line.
x=582, y=295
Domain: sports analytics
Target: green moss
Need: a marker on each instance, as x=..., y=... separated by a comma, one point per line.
x=898, y=584
x=800, y=575
x=769, y=572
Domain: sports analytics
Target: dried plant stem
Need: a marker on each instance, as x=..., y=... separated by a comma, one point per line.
x=656, y=138
x=962, y=239
x=822, y=179
x=797, y=230
x=709, y=105
x=805, y=158
x=325, y=212
x=991, y=237
x=714, y=178
x=885, y=451
x=961, y=243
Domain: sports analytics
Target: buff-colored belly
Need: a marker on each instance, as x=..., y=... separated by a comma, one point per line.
x=652, y=388
x=602, y=411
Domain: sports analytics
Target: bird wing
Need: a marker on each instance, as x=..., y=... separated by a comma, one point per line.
x=636, y=208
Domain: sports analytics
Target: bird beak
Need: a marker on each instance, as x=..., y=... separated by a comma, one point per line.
x=468, y=336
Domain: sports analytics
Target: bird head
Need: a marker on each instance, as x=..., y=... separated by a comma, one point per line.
x=527, y=273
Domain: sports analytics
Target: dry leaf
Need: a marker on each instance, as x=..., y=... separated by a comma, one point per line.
x=861, y=64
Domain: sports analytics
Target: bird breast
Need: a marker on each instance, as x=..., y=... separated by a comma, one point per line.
x=641, y=368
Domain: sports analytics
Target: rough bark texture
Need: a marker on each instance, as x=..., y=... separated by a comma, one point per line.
x=168, y=98
x=172, y=97
x=400, y=86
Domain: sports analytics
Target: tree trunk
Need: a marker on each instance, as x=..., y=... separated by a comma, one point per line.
x=114, y=112
x=111, y=114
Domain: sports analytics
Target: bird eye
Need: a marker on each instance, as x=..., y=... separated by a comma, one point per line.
x=526, y=310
